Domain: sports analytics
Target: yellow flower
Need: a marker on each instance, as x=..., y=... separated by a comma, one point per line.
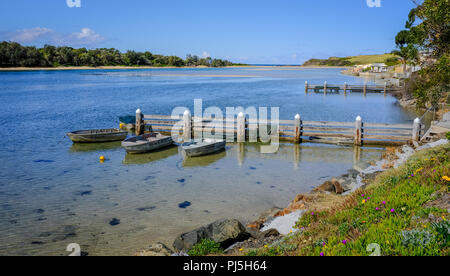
x=266, y=246
x=241, y=249
x=446, y=178
x=363, y=201
x=443, y=218
x=418, y=170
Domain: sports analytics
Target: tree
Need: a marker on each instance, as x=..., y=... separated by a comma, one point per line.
x=406, y=49
x=427, y=35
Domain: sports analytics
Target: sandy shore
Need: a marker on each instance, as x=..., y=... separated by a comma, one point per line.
x=256, y=67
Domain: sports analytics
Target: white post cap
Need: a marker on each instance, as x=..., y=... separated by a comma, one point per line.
x=358, y=118
x=138, y=111
x=417, y=121
x=241, y=114
x=297, y=116
x=187, y=112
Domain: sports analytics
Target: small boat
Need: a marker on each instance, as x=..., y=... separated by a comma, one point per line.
x=97, y=135
x=205, y=147
x=128, y=122
x=147, y=142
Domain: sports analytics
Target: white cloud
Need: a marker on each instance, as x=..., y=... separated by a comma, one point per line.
x=206, y=54
x=30, y=35
x=86, y=36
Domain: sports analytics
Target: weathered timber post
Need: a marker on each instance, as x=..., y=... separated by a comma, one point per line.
x=345, y=88
x=139, y=123
x=385, y=88
x=241, y=128
x=365, y=89
x=416, y=130
x=298, y=129
x=325, y=87
x=358, y=131
x=187, y=126
x=306, y=87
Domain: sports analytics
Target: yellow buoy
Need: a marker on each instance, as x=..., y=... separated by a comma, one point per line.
x=102, y=158
x=121, y=125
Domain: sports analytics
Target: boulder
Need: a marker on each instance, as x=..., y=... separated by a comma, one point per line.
x=225, y=231
x=332, y=186
x=156, y=249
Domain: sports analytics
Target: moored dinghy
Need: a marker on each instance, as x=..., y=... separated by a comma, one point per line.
x=205, y=147
x=147, y=142
x=97, y=135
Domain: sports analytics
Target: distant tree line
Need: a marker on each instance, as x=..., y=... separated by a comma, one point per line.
x=13, y=54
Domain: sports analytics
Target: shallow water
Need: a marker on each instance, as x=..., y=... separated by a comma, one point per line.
x=53, y=193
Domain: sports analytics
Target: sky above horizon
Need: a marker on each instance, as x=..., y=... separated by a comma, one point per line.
x=247, y=31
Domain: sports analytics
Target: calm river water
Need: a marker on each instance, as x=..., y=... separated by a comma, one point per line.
x=53, y=193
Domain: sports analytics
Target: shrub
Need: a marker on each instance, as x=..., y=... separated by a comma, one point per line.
x=205, y=247
x=416, y=238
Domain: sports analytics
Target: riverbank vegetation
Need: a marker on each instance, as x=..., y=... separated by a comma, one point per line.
x=403, y=212
x=13, y=54
x=426, y=42
x=389, y=59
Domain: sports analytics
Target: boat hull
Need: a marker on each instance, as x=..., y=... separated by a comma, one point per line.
x=202, y=149
x=140, y=145
x=97, y=136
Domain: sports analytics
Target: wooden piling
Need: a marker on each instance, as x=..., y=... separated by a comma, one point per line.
x=358, y=131
x=187, y=126
x=325, y=87
x=365, y=89
x=345, y=89
x=241, y=128
x=140, y=126
x=298, y=129
x=416, y=130
x=306, y=87
x=385, y=88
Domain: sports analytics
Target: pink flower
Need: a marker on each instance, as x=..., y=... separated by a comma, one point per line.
x=321, y=254
x=378, y=209
x=344, y=241
x=363, y=195
x=392, y=210
x=312, y=214
x=384, y=202
x=324, y=243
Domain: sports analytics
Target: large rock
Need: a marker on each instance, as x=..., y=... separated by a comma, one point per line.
x=157, y=249
x=225, y=231
x=333, y=186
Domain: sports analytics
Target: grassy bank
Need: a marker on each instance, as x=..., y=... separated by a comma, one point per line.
x=353, y=60
x=401, y=212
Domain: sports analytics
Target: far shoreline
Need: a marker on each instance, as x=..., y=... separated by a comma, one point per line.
x=69, y=68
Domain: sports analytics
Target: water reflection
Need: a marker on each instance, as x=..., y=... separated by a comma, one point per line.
x=91, y=147
x=204, y=161
x=139, y=159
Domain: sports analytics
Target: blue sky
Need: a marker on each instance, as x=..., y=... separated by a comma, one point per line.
x=249, y=31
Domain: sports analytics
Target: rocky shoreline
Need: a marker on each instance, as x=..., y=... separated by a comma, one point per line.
x=275, y=224
x=271, y=226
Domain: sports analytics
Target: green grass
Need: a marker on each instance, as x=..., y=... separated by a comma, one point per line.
x=367, y=59
x=389, y=59
x=205, y=247
x=389, y=215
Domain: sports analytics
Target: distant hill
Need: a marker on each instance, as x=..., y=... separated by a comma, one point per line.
x=389, y=59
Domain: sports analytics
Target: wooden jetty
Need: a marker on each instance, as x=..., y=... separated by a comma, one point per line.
x=242, y=129
x=326, y=88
